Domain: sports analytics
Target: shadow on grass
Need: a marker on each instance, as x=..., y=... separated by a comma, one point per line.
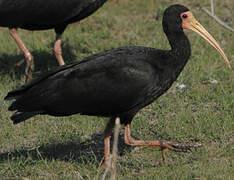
x=90, y=151
x=43, y=61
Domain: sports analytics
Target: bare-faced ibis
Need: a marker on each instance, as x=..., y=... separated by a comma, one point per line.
x=43, y=15
x=115, y=83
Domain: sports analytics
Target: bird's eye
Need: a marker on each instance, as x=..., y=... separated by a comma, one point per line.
x=185, y=16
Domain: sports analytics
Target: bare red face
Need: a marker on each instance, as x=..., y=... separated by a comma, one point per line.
x=189, y=22
x=186, y=18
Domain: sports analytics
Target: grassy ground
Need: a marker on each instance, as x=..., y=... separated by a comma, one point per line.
x=45, y=147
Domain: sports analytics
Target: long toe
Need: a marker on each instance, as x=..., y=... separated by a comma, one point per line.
x=183, y=147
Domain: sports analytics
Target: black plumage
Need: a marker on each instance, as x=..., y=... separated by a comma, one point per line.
x=111, y=83
x=43, y=15
x=114, y=83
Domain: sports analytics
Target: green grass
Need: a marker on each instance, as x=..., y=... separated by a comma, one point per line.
x=46, y=147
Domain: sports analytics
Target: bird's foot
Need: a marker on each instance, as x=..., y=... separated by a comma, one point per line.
x=29, y=67
x=177, y=147
x=103, y=167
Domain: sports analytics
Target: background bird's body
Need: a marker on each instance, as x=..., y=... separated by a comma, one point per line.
x=42, y=15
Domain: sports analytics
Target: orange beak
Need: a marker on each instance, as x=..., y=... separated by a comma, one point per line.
x=191, y=23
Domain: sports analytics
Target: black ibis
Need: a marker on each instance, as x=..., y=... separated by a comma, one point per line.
x=116, y=83
x=43, y=15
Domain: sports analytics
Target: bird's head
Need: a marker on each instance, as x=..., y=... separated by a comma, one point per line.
x=176, y=18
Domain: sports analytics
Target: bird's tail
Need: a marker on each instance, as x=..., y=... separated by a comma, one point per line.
x=14, y=94
x=21, y=113
x=18, y=117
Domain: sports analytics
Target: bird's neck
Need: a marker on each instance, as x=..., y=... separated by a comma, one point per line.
x=180, y=47
x=178, y=55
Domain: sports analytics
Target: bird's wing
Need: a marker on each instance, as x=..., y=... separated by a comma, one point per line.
x=108, y=83
x=19, y=91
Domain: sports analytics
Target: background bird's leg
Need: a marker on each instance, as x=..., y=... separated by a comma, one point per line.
x=107, y=136
x=58, y=49
x=160, y=143
x=29, y=58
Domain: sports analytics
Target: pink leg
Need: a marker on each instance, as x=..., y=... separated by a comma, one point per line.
x=107, y=134
x=58, y=50
x=159, y=143
x=29, y=58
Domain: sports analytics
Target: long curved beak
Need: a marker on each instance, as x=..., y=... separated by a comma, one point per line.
x=191, y=23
